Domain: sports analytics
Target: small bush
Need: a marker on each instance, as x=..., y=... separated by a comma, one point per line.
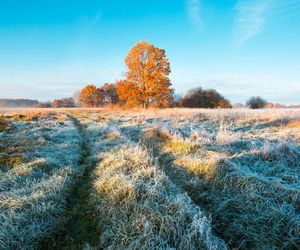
x=199, y=98
x=256, y=102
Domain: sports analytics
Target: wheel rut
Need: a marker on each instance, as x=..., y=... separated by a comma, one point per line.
x=180, y=177
x=81, y=228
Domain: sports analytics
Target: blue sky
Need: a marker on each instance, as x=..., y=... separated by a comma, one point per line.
x=50, y=49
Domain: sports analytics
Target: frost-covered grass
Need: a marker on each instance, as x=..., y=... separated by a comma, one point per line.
x=248, y=180
x=160, y=179
x=38, y=164
x=140, y=208
x=248, y=211
x=240, y=166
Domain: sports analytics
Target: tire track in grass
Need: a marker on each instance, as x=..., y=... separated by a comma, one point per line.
x=247, y=212
x=140, y=206
x=154, y=139
x=33, y=192
x=80, y=228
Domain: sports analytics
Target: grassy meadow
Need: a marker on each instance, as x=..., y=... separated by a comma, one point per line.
x=149, y=179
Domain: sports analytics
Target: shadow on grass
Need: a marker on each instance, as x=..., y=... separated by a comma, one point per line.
x=264, y=125
x=248, y=212
x=81, y=222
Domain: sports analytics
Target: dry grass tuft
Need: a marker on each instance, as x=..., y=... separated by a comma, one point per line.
x=163, y=179
x=11, y=160
x=38, y=167
x=141, y=209
x=205, y=168
x=4, y=125
x=156, y=133
x=294, y=124
x=244, y=205
x=62, y=118
x=180, y=146
x=101, y=118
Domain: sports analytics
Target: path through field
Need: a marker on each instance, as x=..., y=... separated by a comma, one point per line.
x=114, y=180
x=248, y=210
x=81, y=226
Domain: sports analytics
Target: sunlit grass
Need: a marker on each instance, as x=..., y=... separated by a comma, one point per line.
x=4, y=125
x=161, y=179
x=244, y=205
x=141, y=209
x=38, y=166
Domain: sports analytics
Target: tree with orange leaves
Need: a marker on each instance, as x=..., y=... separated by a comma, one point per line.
x=147, y=79
x=90, y=96
x=110, y=95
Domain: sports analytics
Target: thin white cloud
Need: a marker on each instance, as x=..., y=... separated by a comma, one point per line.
x=250, y=18
x=194, y=11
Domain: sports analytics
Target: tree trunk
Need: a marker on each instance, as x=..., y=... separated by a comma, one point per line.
x=145, y=104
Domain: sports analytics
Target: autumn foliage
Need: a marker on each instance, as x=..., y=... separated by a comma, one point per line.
x=147, y=84
x=147, y=79
x=109, y=94
x=64, y=103
x=90, y=96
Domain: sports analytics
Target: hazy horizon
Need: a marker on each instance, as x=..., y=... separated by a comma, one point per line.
x=240, y=48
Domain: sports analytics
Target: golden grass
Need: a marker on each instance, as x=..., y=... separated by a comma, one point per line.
x=180, y=146
x=140, y=208
x=11, y=160
x=200, y=115
x=116, y=189
x=112, y=136
x=102, y=118
x=62, y=117
x=139, y=198
x=26, y=169
x=294, y=124
x=205, y=168
x=4, y=125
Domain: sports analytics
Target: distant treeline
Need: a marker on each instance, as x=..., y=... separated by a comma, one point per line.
x=18, y=103
x=146, y=84
x=106, y=96
x=28, y=103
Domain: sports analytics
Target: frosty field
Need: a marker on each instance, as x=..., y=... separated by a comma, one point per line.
x=156, y=179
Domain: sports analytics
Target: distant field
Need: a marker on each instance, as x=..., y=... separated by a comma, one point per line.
x=149, y=179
